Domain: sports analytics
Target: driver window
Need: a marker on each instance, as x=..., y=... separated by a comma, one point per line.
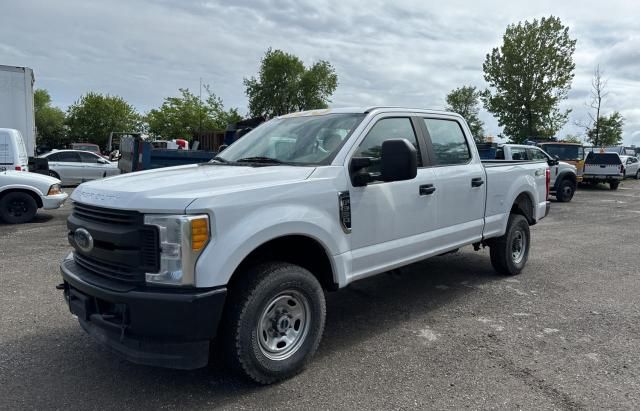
x=88, y=158
x=386, y=129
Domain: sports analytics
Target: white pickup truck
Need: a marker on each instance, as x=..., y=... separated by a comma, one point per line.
x=242, y=249
x=564, y=176
x=23, y=193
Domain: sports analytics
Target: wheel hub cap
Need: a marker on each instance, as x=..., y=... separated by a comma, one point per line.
x=283, y=325
x=518, y=247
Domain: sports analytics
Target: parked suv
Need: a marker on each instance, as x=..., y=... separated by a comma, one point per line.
x=603, y=168
x=631, y=166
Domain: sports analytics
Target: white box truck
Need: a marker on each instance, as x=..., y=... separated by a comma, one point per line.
x=16, y=103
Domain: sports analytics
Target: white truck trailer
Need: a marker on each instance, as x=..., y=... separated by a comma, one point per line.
x=16, y=103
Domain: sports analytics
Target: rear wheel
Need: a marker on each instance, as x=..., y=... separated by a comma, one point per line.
x=274, y=322
x=638, y=174
x=510, y=252
x=565, y=191
x=614, y=185
x=17, y=207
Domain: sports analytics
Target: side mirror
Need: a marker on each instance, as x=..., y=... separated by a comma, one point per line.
x=399, y=160
x=553, y=162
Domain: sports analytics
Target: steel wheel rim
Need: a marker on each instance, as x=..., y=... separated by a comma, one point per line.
x=283, y=325
x=567, y=190
x=518, y=247
x=17, y=208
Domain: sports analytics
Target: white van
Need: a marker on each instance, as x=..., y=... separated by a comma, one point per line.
x=13, y=152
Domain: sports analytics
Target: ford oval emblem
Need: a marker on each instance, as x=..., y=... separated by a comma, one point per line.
x=83, y=240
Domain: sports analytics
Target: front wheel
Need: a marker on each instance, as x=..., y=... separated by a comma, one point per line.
x=274, y=322
x=565, y=191
x=17, y=207
x=510, y=252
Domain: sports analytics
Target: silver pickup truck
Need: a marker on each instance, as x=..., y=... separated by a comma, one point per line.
x=242, y=249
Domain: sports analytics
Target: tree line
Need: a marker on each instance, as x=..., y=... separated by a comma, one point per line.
x=527, y=77
x=284, y=84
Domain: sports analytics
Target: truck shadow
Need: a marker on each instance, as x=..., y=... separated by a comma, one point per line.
x=63, y=367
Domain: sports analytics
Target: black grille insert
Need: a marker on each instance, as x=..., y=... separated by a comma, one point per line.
x=106, y=215
x=108, y=269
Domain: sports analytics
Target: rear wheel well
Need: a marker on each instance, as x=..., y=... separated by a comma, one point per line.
x=35, y=196
x=524, y=206
x=295, y=249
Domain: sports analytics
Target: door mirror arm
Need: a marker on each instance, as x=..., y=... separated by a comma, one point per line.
x=360, y=177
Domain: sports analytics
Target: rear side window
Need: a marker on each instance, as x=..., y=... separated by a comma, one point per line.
x=68, y=157
x=6, y=156
x=449, y=144
x=519, y=153
x=603, y=158
x=88, y=158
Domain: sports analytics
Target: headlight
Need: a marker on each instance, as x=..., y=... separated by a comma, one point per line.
x=54, y=189
x=182, y=239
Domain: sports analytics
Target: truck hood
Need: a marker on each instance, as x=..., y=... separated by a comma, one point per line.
x=41, y=182
x=173, y=189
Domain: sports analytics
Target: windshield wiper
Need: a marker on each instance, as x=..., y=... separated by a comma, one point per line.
x=260, y=160
x=220, y=159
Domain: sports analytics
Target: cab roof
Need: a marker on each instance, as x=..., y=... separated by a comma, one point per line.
x=365, y=110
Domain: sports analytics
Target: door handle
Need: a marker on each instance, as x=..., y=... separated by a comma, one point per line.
x=477, y=182
x=427, y=189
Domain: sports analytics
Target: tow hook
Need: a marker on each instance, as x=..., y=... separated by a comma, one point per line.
x=60, y=286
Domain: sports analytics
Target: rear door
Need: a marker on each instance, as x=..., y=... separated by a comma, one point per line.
x=459, y=181
x=68, y=165
x=22, y=159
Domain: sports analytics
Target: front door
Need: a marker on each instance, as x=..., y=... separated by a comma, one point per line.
x=391, y=221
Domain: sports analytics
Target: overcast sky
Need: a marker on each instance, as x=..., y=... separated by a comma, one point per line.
x=395, y=53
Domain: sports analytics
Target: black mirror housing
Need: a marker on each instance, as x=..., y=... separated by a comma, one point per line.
x=399, y=160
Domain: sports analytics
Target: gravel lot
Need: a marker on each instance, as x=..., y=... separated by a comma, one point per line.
x=444, y=333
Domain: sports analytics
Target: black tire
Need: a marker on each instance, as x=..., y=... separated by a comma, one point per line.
x=638, y=175
x=614, y=185
x=565, y=191
x=502, y=249
x=17, y=207
x=54, y=174
x=257, y=314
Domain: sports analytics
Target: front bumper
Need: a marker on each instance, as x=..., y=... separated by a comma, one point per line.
x=166, y=328
x=54, y=201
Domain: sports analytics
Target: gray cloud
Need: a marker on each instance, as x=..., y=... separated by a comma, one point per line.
x=400, y=53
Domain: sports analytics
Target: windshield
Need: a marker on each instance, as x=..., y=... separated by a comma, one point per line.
x=564, y=151
x=304, y=140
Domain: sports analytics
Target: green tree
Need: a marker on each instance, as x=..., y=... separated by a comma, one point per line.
x=285, y=85
x=94, y=116
x=187, y=114
x=528, y=76
x=51, y=131
x=572, y=138
x=464, y=101
x=607, y=131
